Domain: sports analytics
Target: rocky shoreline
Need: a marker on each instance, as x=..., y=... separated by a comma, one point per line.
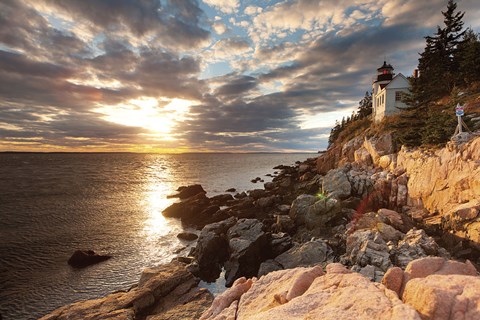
x=364, y=212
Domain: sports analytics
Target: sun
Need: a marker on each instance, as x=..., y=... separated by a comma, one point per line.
x=159, y=115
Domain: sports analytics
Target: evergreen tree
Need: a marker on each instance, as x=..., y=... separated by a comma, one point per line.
x=437, y=64
x=468, y=57
x=365, y=106
x=334, y=133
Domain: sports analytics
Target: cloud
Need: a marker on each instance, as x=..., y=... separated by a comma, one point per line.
x=226, y=6
x=228, y=47
x=177, y=24
x=220, y=28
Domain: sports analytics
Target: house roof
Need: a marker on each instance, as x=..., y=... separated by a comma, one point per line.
x=385, y=66
x=395, y=81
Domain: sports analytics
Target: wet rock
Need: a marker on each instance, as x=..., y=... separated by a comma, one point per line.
x=189, y=191
x=257, y=193
x=269, y=185
x=266, y=202
x=221, y=199
x=305, y=255
x=242, y=208
x=212, y=249
x=188, y=210
x=85, y=258
x=248, y=246
x=241, y=195
x=189, y=236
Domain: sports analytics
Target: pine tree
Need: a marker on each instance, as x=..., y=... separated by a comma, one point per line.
x=468, y=57
x=437, y=64
x=365, y=106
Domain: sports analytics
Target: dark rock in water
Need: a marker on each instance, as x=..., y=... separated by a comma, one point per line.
x=257, y=193
x=187, y=236
x=241, y=195
x=231, y=190
x=85, y=258
x=248, y=246
x=188, y=191
x=188, y=210
x=221, y=199
x=212, y=249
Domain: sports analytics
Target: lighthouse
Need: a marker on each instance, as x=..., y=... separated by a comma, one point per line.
x=387, y=92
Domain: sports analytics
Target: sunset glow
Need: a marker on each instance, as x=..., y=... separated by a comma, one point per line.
x=198, y=75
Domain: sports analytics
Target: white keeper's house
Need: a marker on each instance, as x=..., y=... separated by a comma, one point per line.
x=387, y=91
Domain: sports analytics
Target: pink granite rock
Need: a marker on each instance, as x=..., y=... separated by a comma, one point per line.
x=340, y=294
x=444, y=297
x=424, y=267
x=223, y=301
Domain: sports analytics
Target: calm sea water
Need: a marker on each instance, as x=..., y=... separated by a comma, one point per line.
x=53, y=204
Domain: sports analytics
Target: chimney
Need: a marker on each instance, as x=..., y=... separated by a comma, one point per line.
x=415, y=73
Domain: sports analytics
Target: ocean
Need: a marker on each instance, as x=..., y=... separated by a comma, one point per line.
x=54, y=204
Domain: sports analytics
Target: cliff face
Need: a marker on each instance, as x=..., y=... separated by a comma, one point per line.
x=445, y=183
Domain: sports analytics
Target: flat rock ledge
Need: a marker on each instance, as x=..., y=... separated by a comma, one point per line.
x=169, y=291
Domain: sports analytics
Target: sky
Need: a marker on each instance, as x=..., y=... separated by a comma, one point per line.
x=198, y=76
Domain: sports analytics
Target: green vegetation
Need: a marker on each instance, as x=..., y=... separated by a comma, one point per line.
x=355, y=124
x=449, y=73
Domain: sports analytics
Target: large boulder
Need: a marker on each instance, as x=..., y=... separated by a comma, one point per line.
x=336, y=185
x=444, y=296
x=185, y=192
x=305, y=255
x=396, y=279
x=379, y=146
x=85, y=258
x=314, y=212
x=248, y=246
x=189, y=209
x=212, y=249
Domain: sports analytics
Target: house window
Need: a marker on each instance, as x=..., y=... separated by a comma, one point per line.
x=398, y=95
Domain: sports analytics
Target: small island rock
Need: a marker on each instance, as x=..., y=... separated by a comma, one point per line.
x=85, y=258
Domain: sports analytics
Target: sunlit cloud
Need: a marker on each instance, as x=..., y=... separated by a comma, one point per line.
x=211, y=75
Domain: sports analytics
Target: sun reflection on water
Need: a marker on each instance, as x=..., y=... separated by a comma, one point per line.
x=158, y=187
